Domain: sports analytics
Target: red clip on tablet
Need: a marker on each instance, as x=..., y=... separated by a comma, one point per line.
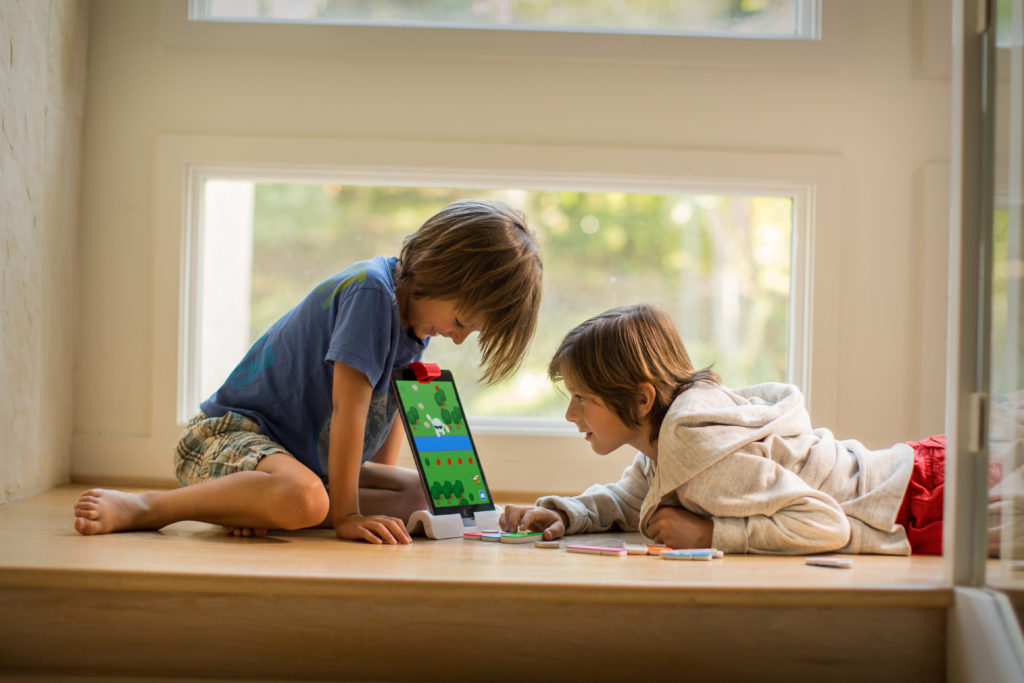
x=425, y=371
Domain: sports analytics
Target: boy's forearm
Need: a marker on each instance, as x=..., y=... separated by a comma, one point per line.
x=343, y=465
x=344, y=503
x=350, y=394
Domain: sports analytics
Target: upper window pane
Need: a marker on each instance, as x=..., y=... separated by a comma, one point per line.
x=738, y=18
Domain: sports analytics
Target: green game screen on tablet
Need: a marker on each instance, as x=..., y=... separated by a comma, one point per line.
x=441, y=443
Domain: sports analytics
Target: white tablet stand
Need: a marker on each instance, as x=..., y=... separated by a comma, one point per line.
x=451, y=526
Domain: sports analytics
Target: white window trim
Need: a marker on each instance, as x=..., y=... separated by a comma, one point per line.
x=829, y=52
x=814, y=180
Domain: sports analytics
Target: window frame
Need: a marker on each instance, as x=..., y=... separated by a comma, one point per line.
x=512, y=455
x=192, y=161
x=829, y=51
x=190, y=364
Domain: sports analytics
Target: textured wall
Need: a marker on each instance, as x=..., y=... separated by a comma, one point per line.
x=43, y=49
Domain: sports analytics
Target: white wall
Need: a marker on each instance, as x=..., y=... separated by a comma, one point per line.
x=43, y=46
x=878, y=106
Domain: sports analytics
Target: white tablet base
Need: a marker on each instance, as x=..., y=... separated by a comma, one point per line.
x=451, y=526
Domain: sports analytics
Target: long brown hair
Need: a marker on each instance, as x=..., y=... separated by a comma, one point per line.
x=482, y=255
x=611, y=354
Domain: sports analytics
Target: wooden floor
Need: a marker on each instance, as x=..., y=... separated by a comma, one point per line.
x=188, y=600
x=38, y=540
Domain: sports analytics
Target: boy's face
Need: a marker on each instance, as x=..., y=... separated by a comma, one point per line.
x=426, y=317
x=604, y=431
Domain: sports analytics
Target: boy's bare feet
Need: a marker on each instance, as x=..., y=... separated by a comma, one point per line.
x=101, y=511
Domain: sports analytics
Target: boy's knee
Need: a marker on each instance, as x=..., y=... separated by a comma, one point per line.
x=303, y=503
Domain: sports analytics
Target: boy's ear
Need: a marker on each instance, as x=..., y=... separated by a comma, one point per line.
x=644, y=399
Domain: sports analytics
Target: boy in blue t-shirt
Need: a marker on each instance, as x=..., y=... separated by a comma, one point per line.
x=303, y=432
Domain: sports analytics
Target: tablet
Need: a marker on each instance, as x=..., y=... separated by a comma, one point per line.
x=441, y=443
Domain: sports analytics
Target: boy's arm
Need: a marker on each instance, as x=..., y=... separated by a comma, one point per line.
x=603, y=506
x=351, y=393
x=758, y=506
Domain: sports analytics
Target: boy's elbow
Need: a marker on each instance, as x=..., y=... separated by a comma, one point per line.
x=833, y=535
x=809, y=535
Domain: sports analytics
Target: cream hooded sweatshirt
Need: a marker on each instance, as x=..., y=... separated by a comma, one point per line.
x=749, y=460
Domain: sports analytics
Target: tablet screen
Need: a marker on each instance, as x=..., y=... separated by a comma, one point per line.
x=441, y=444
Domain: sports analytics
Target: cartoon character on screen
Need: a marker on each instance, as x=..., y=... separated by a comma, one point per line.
x=440, y=428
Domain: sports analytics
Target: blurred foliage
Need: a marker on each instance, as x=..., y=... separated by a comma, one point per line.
x=1007, y=374
x=719, y=265
x=1004, y=22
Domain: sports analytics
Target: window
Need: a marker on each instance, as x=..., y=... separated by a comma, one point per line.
x=777, y=34
x=742, y=18
x=719, y=261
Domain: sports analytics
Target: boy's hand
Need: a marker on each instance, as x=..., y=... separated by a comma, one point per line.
x=373, y=529
x=531, y=518
x=679, y=528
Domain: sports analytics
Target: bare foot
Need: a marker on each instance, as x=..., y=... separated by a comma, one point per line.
x=244, y=531
x=101, y=511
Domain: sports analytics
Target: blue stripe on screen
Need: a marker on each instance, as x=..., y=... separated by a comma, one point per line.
x=426, y=444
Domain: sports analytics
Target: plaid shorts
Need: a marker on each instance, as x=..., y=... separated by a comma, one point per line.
x=211, y=447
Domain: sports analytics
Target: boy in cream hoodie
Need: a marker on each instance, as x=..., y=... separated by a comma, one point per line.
x=741, y=470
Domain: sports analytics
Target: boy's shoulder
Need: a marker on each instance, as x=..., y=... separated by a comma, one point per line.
x=376, y=273
x=377, y=270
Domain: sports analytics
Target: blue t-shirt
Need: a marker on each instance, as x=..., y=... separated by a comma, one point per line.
x=284, y=381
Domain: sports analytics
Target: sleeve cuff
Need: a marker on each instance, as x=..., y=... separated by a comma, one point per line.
x=574, y=510
x=730, y=534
